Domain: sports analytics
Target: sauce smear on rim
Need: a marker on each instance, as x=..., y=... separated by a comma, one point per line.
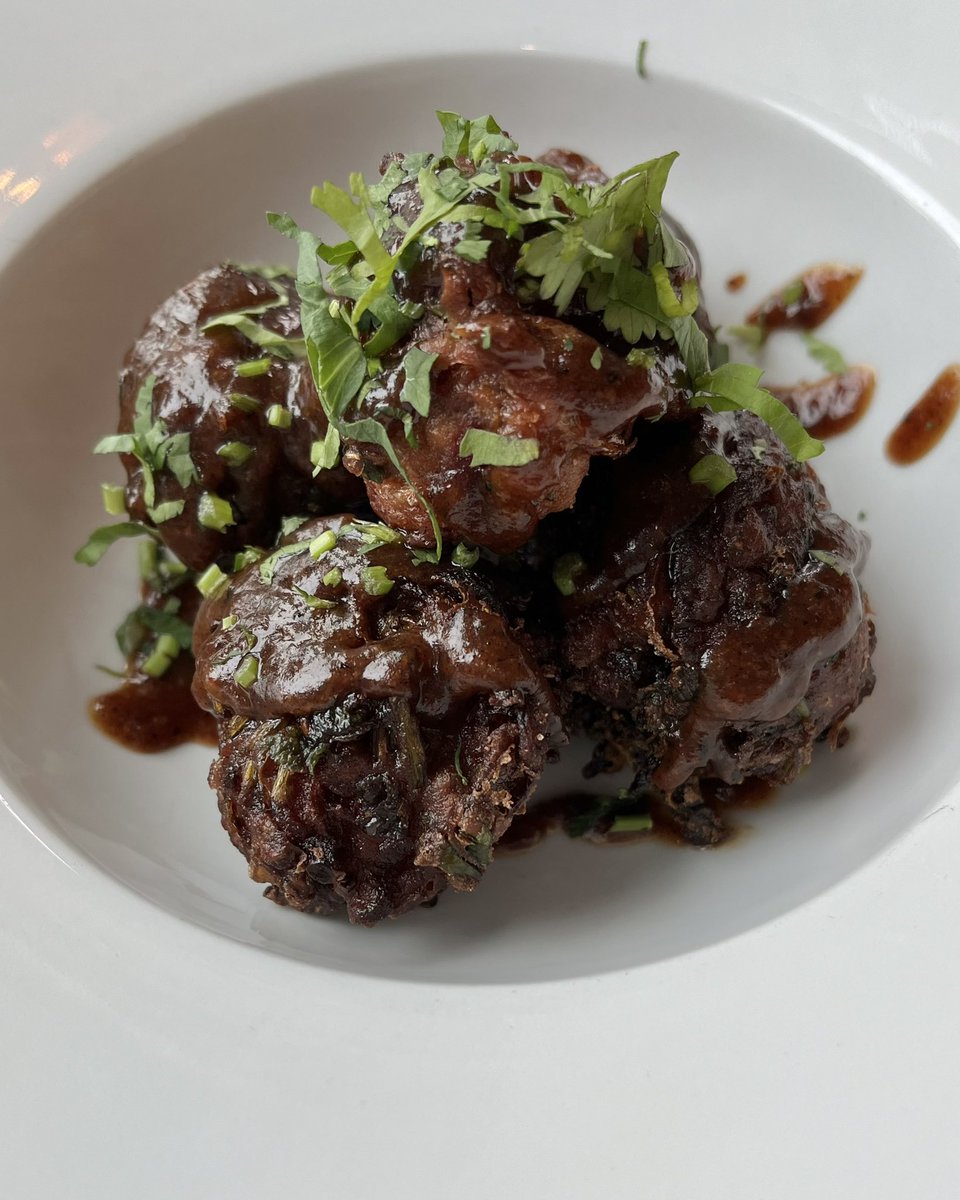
x=928, y=420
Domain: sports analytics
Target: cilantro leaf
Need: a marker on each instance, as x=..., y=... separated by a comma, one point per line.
x=490, y=449
x=100, y=541
x=416, y=366
x=713, y=472
x=829, y=357
x=735, y=386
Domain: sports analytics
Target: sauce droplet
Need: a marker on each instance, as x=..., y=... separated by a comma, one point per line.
x=736, y=282
x=808, y=300
x=833, y=404
x=150, y=715
x=929, y=419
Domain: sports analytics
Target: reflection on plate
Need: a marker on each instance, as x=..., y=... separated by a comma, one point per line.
x=567, y=909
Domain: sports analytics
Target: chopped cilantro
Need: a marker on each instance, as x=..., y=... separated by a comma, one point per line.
x=314, y=601
x=596, y=359
x=325, y=454
x=488, y=449
x=165, y=511
x=829, y=357
x=565, y=572
x=641, y=59
x=752, y=335
x=416, y=366
x=736, y=386
x=268, y=565
x=713, y=472
x=464, y=556
x=100, y=541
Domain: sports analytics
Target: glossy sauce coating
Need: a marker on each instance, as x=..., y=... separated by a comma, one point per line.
x=736, y=282
x=929, y=419
x=833, y=404
x=807, y=301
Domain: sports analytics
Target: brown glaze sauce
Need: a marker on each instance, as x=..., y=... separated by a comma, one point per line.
x=150, y=715
x=929, y=419
x=736, y=282
x=808, y=300
x=833, y=404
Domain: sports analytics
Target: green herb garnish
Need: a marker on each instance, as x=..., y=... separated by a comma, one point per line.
x=488, y=449
x=279, y=417
x=114, y=500
x=213, y=512
x=735, y=386
x=376, y=581
x=829, y=560
x=565, y=572
x=212, y=582
x=464, y=556
x=256, y=366
x=100, y=541
x=247, y=672
x=713, y=472
x=829, y=357
x=641, y=59
x=235, y=453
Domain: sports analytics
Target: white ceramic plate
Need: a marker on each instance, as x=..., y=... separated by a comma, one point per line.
x=533, y=1038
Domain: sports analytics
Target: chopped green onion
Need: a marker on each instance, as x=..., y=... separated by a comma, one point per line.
x=256, y=366
x=565, y=572
x=235, y=453
x=376, y=581
x=279, y=417
x=167, y=644
x=248, y=671
x=641, y=64
x=333, y=578
x=114, y=501
x=464, y=556
x=828, y=560
x=325, y=453
x=229, y=621
x=157, y=664
x=632, y=823
x=314, y=601
x=213, y=512
x=247, y=404
x=148, y=560
x=165, y=511
x=486, y=339
x=244, y=558
x=320, y=545
x=212, y=581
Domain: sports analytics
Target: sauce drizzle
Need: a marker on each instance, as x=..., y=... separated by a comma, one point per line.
x=808, y=300
x=929, y=419
x=833, y=404
x=736, y=282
